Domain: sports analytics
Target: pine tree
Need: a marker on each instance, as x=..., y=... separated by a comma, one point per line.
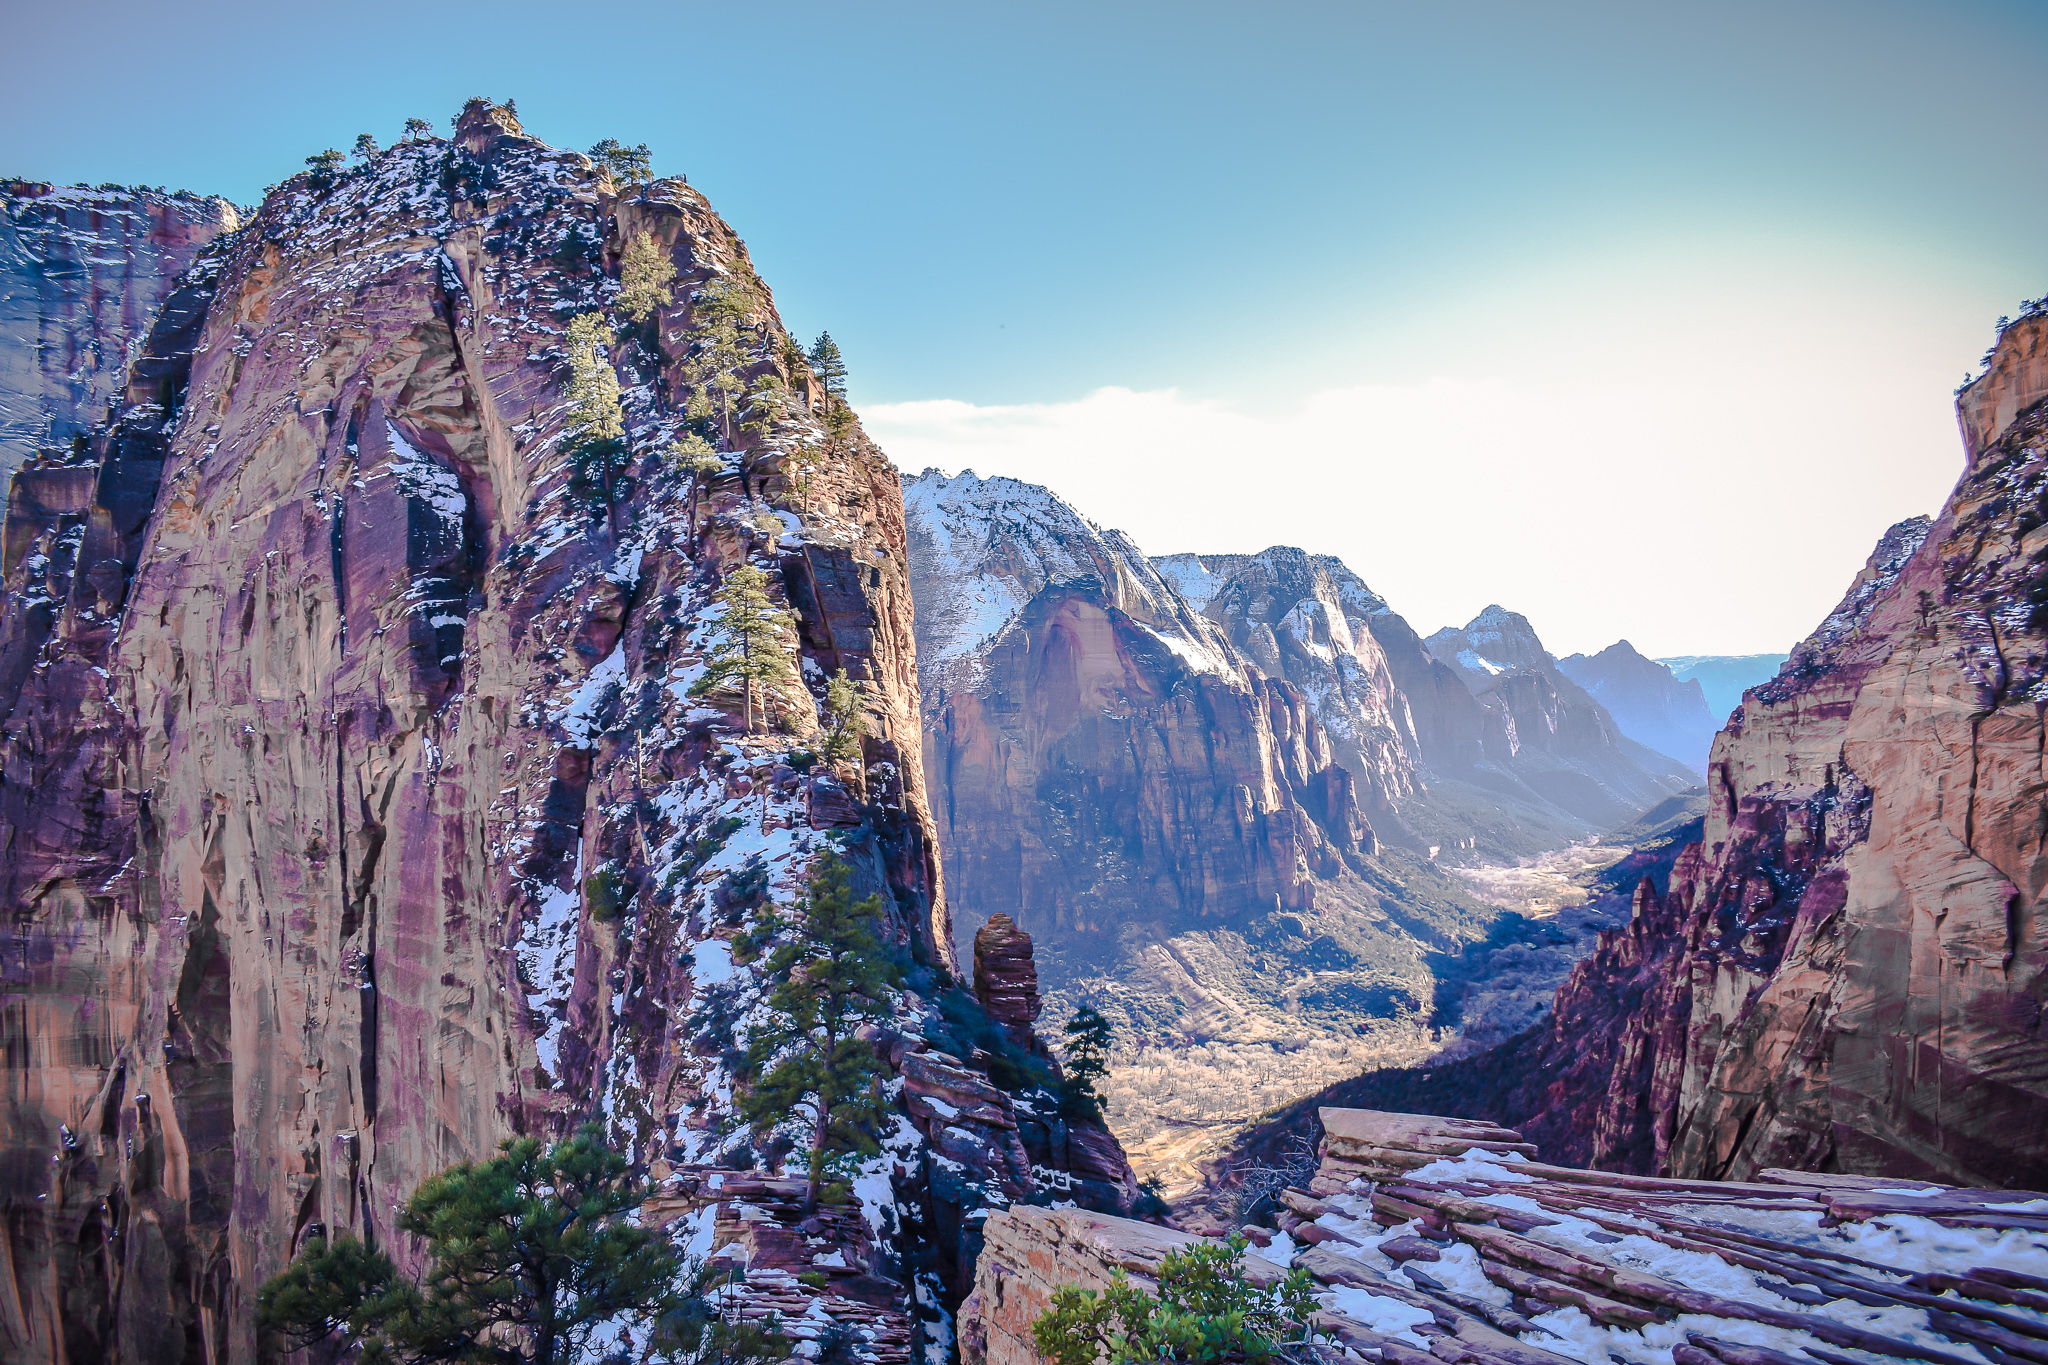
x=830, y=365
x=417, y=128
x=628, y=166
x=1088, y=1035
x=645, y=276
x=528, y=1253
x=844, y=724
x=365, y=148
x=832, y=974
x=747, y=647
x=596, y=419
x=694, y=458
x=718, y=353
x=324, y=166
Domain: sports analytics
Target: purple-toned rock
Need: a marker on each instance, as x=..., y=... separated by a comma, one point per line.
x=1005, y=975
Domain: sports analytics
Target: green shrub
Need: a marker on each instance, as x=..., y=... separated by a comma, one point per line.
x=1204, y=1312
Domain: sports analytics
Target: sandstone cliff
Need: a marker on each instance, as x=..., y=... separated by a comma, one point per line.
x=82, y=275
x=357, y=812
x=1651, y=705
x=1846, y=972
x=1178, y=828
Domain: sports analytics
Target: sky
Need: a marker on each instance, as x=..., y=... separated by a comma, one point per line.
x=1641, y=319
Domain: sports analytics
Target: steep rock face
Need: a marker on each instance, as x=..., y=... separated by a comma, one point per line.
x=82, y=275
x=1544, y=734
x=1102, y=756
x=1651, y=706
x=1308, y=619
x=1846, y=973
x=358, y=812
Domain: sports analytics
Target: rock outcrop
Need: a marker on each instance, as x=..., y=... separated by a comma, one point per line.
x=357, y=805
x=83, y=273
x=1430, y=1239
x=1006, y=975
x=1652, y=706
x=1846, y=973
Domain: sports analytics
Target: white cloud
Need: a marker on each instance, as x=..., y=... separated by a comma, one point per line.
x=1693, y=504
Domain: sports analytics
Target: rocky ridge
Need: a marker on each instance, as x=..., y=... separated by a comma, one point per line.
x=1651, y=705
x=357, y=809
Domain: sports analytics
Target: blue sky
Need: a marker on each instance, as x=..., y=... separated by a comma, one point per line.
x=1639, y=318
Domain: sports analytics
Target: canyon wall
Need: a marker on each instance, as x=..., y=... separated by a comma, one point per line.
x=1846, y=971
x=83, y=273
x=357, y=808
x=1184, y=833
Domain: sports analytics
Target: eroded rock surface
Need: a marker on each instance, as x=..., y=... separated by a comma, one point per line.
x=82, y=275
x=358, y=812
x=1846, y=973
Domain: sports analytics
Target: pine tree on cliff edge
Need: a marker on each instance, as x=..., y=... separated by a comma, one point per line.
x=832, y=974
x=528, y=1254
x=747, y=646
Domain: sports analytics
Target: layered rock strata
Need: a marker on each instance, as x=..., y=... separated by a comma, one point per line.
x=83, y=273
x=358, y=809
x=1846, y=973
x=1429, y=1240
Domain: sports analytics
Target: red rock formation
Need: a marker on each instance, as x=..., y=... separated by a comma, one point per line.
x=358, y=812
x=83, y=273
x=1006, y=975
x=1104, y=755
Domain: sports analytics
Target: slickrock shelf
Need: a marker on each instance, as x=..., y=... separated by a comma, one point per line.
x=1448, y=1240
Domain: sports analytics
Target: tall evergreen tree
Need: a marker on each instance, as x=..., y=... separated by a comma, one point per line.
x=1088, y=1035
x=628, y=166
x=714, y=368
x=747, y=643
x=694, y=458
x=528, y=1253
x=365, y=148
x=645, y=277
x=830, y=365
x=832, y=973
x=844, y=726
x=416, y=128
x=596, y=418
x=324, y=167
